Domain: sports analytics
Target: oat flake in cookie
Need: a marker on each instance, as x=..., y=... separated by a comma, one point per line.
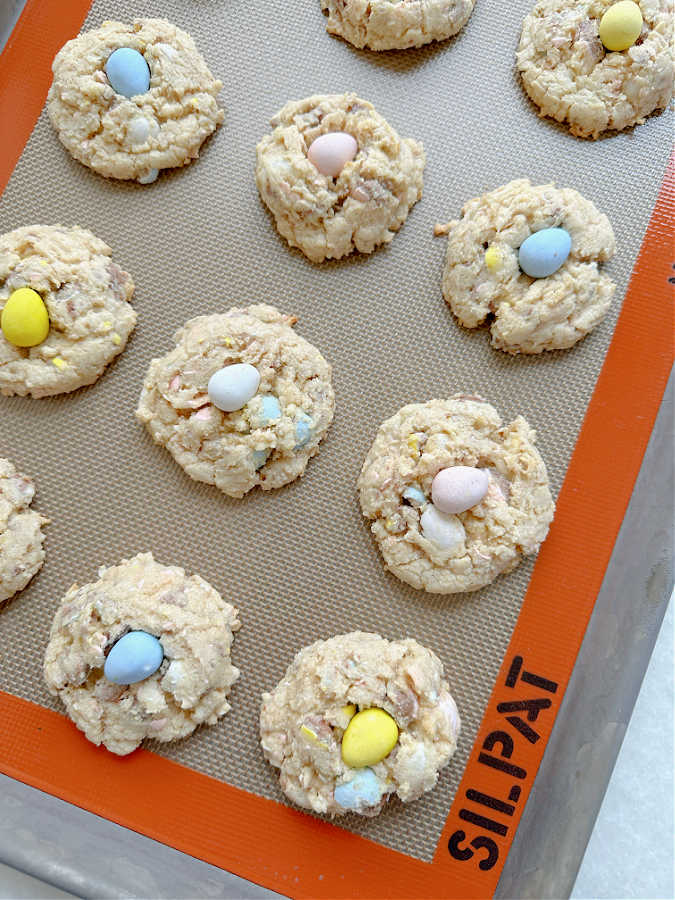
x=105, y=124
x=391, y=692
x=427, y=536
x=395, y=24
x=193, y=625
x=331, y=215
x=572, y=77
x=241, y=401
x=21, y=537
x=483, y=280
x=62, y=278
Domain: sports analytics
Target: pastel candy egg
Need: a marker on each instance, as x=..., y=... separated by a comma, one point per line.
x=621, y=25
x=303, y=433
x=414, y=496
x=270, y=409
x=330, y=152
x=25, y=320
x=364, y=790
x=370, y=736
x=232, y=387
x=544, y=252
x=458, y=488
x=494, y=258
x=133, y=658
x=260, y=458
x=149, y=177
x=447, y=532
x=128, y=72
x=138, y=130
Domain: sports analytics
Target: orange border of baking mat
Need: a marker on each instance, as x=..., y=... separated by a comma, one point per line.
x=282, y=848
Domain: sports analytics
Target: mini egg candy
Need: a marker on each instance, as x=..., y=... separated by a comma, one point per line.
x=544, y=252
x=458, y=488
x=138, y=130
x=260, y=458
x=621, y=25
x=331, y=152
x=303, y=433
x=232, y=387
x=128, y=72
x=370, y=736
x=494, y=257
x=136, y=656
x=270, y=410
x=447, y=532
x=364, y=790
x=414, y=496
x=25, y=320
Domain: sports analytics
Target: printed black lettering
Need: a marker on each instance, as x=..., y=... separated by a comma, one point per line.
x=483, y=822
x=543, y=683
x=490, y=802
x=457, y=852
x=514, y=671
x=493, y=852
x=496, y=763
x=499, y=737
x=514, y=794
x=532, y=707
x=529, y=733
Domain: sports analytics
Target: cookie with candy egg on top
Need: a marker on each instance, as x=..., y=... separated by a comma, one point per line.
x=455, y=497
x=397, y=25
x=131, y=100
x=142, y=653
x=529, y=259
x=336, y=176
x=358, y=719
x=65, y=309
x=242, y=401
x=598, y=65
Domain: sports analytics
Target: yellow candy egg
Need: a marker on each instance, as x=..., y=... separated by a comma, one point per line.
x=25, y=320
x=493, y=258
x=621, y=25
x=370, y=736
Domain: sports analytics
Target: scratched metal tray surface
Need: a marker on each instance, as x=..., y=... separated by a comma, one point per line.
x=214, y=204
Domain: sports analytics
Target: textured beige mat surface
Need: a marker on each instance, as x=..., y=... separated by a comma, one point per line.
x=300, y=563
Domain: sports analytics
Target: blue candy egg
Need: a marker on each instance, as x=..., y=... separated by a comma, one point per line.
x=414, y=496
x=134, y=657
x=128, y=72
x=364, y=790
x=260, y=458
x=544, y=252
x=270, y=409
x=303, y=433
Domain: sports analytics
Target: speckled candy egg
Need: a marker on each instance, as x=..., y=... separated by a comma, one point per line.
x=232, y=387
x=128, y=72
x=458, y=488
x=544, y=252
x=331, y=152
x=135, y=657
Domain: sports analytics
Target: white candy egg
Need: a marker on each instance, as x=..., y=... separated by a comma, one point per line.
x=332, y=151
x=445, y=531
x=232, y=387
x=458, y=488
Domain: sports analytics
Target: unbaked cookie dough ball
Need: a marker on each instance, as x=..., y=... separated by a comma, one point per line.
x=528, y=259
x=131, y=100
x=336, y=176
x=395, y=24
x=356, y=720
x=455, y=497
x=65, y=309
x=575, y=78
x=144, y=652
x=241, y=401
x=21, y=537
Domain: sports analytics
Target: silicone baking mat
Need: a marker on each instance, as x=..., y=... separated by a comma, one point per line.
x=300, y=563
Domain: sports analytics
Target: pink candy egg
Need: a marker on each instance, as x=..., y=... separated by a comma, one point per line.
x=332, y=151
x=458, y=488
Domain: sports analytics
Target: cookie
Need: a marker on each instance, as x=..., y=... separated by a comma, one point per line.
x=483, y=280
x=397, y=25
x=356, y=720
x=452, y=547
x=282, y=409
x=361, y=205
x=150, y=108
x=185, y=615
x=21, y=537
x=570, y=75
x=81, y=296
